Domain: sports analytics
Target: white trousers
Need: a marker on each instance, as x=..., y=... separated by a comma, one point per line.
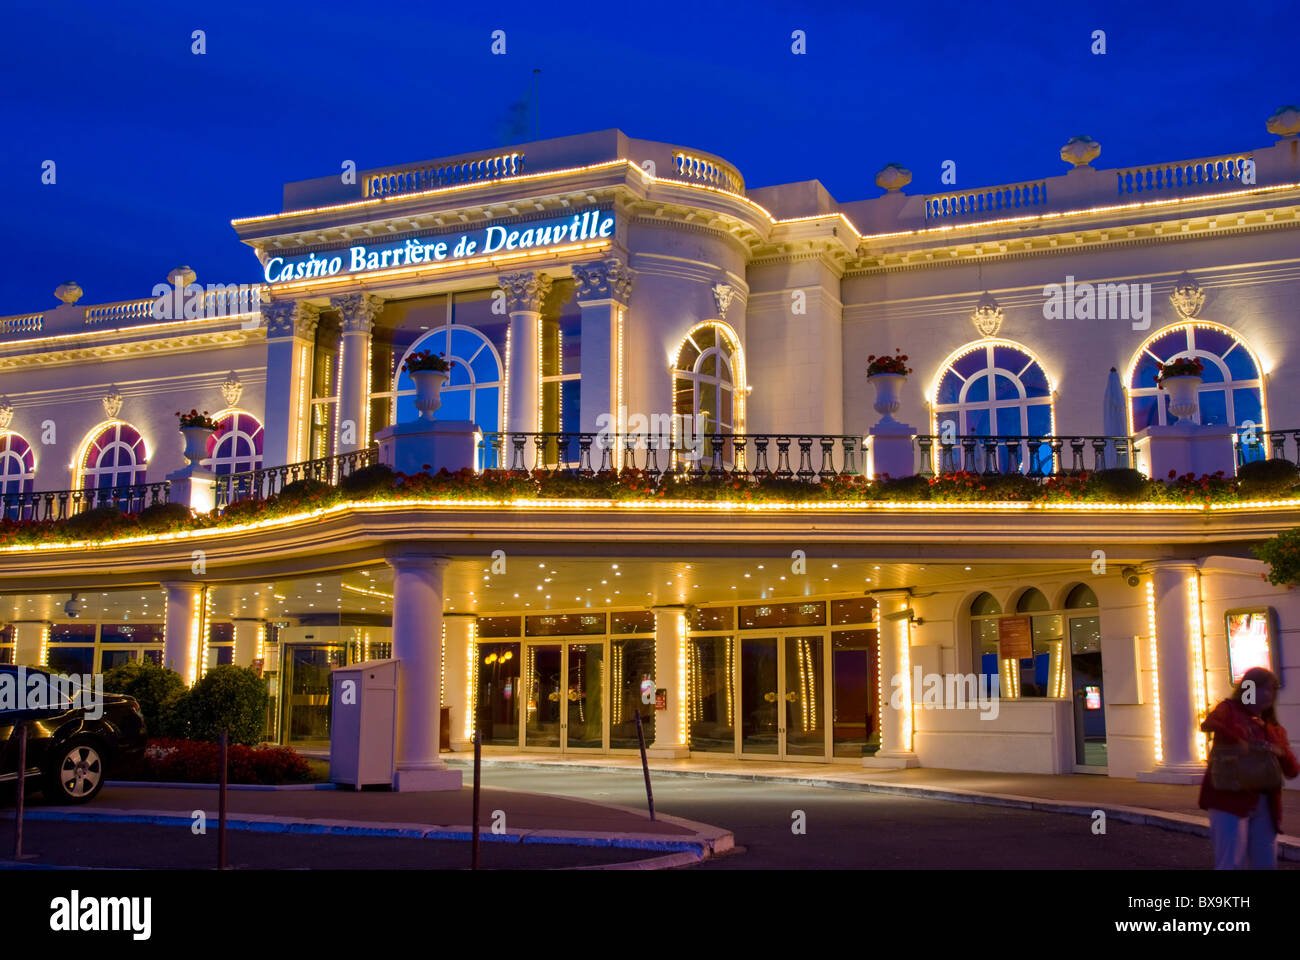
x=1244, y=843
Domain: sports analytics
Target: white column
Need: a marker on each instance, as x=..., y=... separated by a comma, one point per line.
x=670, y=675
x=894, y=639
x=1176, y=629
x=417, y=643
x=249, y=636
x=184, y=629
x=290, y=342
x=524, y=295
x=30, y=638
x=602, y=293
x=357, y=312
x=458, y=646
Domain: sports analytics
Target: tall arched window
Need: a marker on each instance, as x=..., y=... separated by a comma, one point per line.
x=114, y=457
x=1231, y=392
x=473, y=390
x=709, y=380
x=236, y=445
x=17, y=464
x=984, y=611
x=993, y=388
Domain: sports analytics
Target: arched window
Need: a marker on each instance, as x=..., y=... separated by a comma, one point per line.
x=993, y=388
x=473, y=389
x=709, y=381
x=114, y=457
x=1046, y=635
x=17, y=464
x=236, y=445
x=1032, y=601
x=984, y=611
x=1231, y=392
x=1081, y=596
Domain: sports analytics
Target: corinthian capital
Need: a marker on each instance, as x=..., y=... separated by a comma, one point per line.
x=525, y=291
x=607, y=279
x=357, y=311
x=290, y=318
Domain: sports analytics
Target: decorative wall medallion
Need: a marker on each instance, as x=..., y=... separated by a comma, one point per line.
x=723, y=294
x=1188, y=297
x=987, y=316
x=231, y=389
x=112, y=402
x=6, y=413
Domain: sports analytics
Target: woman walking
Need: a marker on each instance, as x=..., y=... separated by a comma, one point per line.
x=1242, y=787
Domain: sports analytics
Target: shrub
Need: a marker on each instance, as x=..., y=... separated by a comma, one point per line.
x=1267, y=478
x=194, y=761
x=368, y=480
x=154, y=686
x=164, y=516
x=228, y=697
x=905, y=488
x=302, y=492
x=97, y=523
x=1282, y=554
x=1120, y=484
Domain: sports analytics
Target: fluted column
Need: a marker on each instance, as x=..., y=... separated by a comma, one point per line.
x=894, y=639
x=290, y=342
x=524, y=295
x=604, y=288
x=1177, y=629
x=357, y=312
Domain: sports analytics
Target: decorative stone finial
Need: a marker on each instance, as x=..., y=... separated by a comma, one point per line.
x=181, y=278
x=1188, y=297
x=723, y=293
x=112, y=402
x=6, y=413
x=1081, y=151
x=68, y=292
x=1285, y=121
x=232, y=388
x=987, y=316
x=893, y=177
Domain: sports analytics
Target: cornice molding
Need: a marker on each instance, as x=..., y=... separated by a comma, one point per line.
x=134, y=348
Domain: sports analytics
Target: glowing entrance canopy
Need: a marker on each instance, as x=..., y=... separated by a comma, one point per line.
x=363, y=258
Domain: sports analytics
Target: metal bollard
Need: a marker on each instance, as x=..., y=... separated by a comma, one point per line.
x=221, y=802
x=645, y=765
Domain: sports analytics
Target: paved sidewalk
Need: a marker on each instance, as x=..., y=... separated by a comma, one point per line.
x=1173, y=806
x=441, y=815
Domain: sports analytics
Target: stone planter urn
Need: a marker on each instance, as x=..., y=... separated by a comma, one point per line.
x=1182, y=395
x=196, y=443
x=428, y=391
x=888, y=388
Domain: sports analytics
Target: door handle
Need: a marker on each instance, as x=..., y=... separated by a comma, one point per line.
x=791, y=697
x=770, y=697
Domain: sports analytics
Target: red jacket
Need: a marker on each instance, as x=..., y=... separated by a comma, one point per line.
x=1230, y=722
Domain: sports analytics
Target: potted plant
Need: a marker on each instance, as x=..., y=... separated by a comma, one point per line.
x=887, y=374
x=196, y=428
x=1181, y=376
x=430, y=372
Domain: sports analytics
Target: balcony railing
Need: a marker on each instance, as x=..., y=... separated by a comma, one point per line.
x=1035, y=457
x=784, y=456
x=1270, y=445
x=36, y=506
x=267, y=482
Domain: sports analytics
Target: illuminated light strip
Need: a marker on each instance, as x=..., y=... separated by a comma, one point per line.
x=368, y=593
x=196, y=628
x=427, y=269
x=304, y=401
x=442, y=665
x=261, y=642
x=681, y=680
x=471, y=679
x=206, y=633
x=44, y=660
x=1059, y=680
x=78, y=465
x=505, y=397
x=542, y=504
x=112, y=331
x=731, y=679
x=1198, y=660
x=537, y=336
x=620, y=401
x=336, y=389
x=1011, y=667
x=364, y=440
x=1155, y=669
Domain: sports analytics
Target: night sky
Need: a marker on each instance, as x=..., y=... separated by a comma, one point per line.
x=158, y=148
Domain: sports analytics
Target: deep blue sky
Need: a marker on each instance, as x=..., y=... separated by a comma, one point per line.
x=157, y=149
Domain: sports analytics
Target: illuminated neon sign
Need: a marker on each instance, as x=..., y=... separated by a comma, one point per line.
x=362, y=258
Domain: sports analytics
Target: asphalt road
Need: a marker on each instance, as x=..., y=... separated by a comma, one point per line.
x=858, y=830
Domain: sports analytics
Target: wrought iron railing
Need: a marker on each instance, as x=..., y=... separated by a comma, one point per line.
x=1035, y=457
x=266, y=482
x=39, y=505
x=1254, y=445
x=785, y=456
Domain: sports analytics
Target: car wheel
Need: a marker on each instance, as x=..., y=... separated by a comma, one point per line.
x=76, y=772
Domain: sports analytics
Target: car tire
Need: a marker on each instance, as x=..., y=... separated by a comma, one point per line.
x=76, y=771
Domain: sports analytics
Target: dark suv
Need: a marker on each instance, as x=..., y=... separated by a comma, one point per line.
x=69, y=752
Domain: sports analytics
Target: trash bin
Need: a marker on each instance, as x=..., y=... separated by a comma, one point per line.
x=363, y=723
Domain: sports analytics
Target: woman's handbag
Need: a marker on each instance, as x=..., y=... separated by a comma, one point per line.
x=1245, y=767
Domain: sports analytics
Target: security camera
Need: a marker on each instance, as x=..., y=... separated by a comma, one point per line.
x=1131, y=576
x=74, y=607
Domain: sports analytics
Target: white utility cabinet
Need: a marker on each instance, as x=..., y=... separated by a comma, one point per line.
x=363, y=722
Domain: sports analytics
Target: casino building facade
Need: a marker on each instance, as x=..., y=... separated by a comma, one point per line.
x=597, y=290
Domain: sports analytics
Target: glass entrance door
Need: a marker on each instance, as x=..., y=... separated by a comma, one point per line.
x=783, y=697
x=543, y=668
x=1089, y=699
x=565, y=687
x=307, y=685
